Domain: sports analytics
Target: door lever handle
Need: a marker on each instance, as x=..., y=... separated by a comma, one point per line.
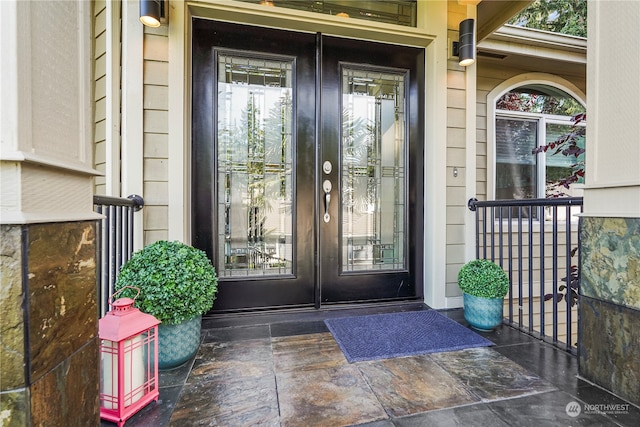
x=326, y=187
x=327, y=201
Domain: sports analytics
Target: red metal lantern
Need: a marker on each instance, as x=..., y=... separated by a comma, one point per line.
x=128, y=359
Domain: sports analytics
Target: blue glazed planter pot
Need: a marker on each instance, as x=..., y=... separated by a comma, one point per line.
x=178, y=343
x=484, y=314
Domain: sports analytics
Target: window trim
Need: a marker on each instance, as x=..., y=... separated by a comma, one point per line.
x=499, y=91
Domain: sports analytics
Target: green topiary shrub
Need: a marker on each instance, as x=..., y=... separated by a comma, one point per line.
x=177, y=282
x=483, y=278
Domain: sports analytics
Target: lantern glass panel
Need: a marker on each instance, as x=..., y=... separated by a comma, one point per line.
x=138, y=369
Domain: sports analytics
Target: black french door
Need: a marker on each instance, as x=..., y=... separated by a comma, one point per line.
x=307, y=172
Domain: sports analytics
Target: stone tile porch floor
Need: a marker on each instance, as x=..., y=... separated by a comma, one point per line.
x=285, y=369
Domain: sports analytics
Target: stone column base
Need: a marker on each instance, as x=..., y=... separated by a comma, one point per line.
x=49, y=361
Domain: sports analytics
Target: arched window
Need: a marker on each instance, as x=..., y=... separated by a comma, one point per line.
x=528, y=116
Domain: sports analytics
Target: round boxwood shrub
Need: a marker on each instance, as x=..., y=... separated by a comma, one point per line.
x=177, y=282
x=483, y=278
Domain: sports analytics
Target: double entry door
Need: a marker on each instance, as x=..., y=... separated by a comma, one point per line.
x=307, y=166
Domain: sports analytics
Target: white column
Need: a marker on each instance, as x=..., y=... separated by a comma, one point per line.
x=435, y=210
x=612, y=180
x=46, y=156
x=132, y=111
x=112, y=128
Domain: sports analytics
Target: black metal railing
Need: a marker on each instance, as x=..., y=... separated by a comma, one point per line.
x=115, y=241
x=536, y=242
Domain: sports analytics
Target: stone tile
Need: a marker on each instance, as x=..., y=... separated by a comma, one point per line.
x=610, y=260
x=231, y=383
x=298, y=328
x=232, y=361
x=155, y=414
x=382, y=423
x=313, y=351
x=489, y=375
x=62, y=292
x=228, y=402
x=477, y=415
x=552, y=364
x=626, y=415
x=505, y=335
x=70, y=391
x=12, y=356
x=610, y=347
x=456, y=314
x=545, y=409
x=409, y=385
x=336, y=396
x=14, y=406
x=176, y=376
x=502, y=335
x=238, y=333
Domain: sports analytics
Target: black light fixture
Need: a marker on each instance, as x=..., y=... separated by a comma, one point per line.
x=465, y=48
x=151, y=11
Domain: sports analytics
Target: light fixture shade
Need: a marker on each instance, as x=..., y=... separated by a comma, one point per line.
x=150, y=12
x=467, y=42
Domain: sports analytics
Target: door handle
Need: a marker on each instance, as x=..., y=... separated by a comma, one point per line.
x=326, y=187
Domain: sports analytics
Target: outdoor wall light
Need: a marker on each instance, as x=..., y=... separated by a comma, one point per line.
x=465, y=48
x=151, y=12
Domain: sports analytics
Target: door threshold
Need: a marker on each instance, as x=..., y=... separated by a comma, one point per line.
x=307, y=314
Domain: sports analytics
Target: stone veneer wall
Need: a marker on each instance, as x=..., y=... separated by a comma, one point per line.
x=609, y=351
x=49, y=360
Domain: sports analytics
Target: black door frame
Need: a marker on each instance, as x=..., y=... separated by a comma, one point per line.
x=297, y=290
x=303, y=290
x=380, y=285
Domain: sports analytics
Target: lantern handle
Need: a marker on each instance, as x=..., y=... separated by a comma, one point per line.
x=122, y=289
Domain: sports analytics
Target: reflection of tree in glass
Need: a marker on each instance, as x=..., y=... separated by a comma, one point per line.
x=570, y=145
x=358, y=149
x=529, y=100
x=266, y=180
x=546, y=100
x=277, y=130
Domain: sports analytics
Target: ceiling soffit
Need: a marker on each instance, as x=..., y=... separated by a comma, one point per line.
x=493, y=14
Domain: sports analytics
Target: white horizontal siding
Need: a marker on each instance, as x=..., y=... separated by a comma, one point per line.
x=99, y=95
x=156, y=133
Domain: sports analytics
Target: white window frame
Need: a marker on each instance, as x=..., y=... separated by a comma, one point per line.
x=540, y=158
x=494, y=95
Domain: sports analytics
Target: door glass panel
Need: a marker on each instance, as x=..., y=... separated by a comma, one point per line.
x=373, y=175
x=254, y=166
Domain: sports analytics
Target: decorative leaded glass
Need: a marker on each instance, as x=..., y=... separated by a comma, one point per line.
x=373, y=181
x=254, y=166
